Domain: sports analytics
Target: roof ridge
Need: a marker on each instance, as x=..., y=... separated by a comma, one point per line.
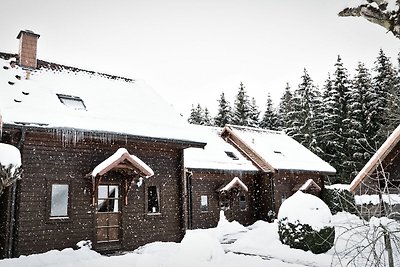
x=255, y=129
x=56, y=66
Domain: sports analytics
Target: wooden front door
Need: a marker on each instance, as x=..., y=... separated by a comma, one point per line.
x=108, y=216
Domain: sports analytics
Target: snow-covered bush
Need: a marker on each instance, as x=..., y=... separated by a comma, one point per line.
x=339, y=200
x=304, y=222
x=10, y=166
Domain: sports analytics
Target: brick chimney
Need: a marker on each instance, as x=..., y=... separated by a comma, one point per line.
x=27, y=49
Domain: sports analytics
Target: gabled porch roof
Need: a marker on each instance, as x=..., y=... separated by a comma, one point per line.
x=121, y=159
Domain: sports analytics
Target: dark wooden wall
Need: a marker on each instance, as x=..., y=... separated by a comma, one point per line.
x=207, y=182
x=47, y=159
x=285, y=181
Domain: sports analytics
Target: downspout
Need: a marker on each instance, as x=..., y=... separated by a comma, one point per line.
x=13, y=210
x=189, y=175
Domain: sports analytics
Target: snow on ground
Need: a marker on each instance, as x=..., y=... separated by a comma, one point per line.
x=229, y=244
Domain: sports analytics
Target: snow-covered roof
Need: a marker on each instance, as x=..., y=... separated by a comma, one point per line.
x=217, y=154
x=235, y=181
x=58, y=96
x=307, y=185
x=119, y=157
x=391, y=199
x=377, y=158
x=277, y=150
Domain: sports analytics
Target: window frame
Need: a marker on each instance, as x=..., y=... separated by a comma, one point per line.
x=117, y=198
x=158, y=190
x=62, y=97
x=49, y=187
x=201, y=203
x=241, y=208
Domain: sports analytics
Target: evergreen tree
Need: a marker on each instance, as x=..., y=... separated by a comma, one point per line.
x=196, y=115
x=304, y=104
x=254, y=119
x=200, y=116
x=207, y=120
x=224, y=115
x=270, y=117
x=242, y=108
x=361, y=95
x=285, y=108
x=337, y=123
x=383, y=118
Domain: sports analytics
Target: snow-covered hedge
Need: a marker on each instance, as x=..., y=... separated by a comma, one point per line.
x=304, y=222
x=339, y=200
x=10, y=165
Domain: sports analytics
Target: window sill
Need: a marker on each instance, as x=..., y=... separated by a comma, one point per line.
x=58, y=219
x=154, y=214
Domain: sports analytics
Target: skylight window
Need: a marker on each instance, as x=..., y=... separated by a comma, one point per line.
x=231, y=155
x=73, y=102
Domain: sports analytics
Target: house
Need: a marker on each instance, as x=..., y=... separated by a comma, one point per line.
x=219, y=177
x=248, y=172
x=379, y=180
x=102, y=158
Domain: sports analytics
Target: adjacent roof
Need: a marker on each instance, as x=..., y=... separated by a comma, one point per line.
x=306, y=186
x=217, y=154
x=274, y=150
x=121, y=159
x=236, y=182
x=377, y=158
x=112, y=104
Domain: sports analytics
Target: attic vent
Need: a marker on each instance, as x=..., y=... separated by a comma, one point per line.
x=74, y=102
x=231, y=155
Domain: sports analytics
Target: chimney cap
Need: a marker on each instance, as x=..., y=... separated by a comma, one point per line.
x=27, y=32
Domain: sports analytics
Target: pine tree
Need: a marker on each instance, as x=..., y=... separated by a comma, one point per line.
x=242, y=108
x=207, y=120
x=224, y=115
x=270, y=117
x=254, y=120
x=383, y=119
x=285, y=108
x=361, y=95
x=304, y=104
x=337, y=123
x=196, y=115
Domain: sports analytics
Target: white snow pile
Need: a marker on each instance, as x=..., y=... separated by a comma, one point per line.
x=257, y=246
x=305, y=209
x=339, y=187
x=226, y=228
x=391, y=199
x=9, y=155
x=197, y=248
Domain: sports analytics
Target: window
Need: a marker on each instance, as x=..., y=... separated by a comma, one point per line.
x=59, y=200
x=242, y=202
x=231, y=155
x=153, y=200
x=204, y=203
x=108, y=198
x=73, y=102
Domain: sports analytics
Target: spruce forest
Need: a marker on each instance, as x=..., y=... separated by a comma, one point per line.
x=344, y=122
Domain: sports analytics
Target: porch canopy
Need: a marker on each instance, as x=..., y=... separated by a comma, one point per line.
x=121, y=160
x=235, y=183
x=308, y=187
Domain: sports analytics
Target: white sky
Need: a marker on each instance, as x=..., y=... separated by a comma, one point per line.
x=192, y=50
